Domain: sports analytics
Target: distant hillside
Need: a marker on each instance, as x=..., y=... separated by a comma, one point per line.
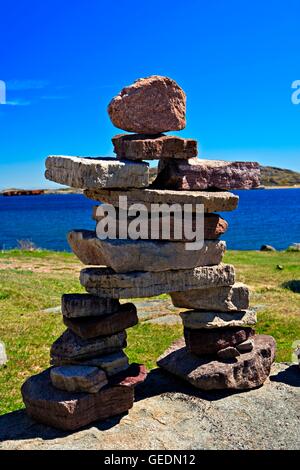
x=273, y=176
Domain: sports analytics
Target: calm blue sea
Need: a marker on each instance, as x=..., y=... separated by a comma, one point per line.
x=263, y=217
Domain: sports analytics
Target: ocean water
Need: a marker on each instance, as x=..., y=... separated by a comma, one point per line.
x=263, y=217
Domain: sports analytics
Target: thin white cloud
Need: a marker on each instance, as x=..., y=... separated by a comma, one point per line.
x=17, y=102
x=18, y=85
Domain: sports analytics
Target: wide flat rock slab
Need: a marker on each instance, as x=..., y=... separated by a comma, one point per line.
x=170, y=414
x=223, y=299
x=125, y=256
x=197, y=174
x=147, y=147
x=214, y=226
x=199, y=319
x=70, y=346
x=213, y=201
x=105, y=282
x=73, y=410
x=247, y=371
x=96, y=173
x=111, y=363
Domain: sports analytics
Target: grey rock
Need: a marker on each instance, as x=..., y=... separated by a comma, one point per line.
x=78, y=378
x=228, y=353
x=267, y=248
x=111, y=363
x=248, y=371
x=213, y=201
x=245, y=346
x=71, y=346
x=87, y=305
x=172, y=415
x=294, y=247
x=142, y=255
x=104, y=282
x=196, y=319
x=3, y=356
x=96, y=173
x=223, y=299
x=165, y=320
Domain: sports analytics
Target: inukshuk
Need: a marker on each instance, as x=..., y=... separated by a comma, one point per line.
x=90, y=377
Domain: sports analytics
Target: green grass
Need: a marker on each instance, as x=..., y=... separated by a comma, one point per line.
x=35, y=280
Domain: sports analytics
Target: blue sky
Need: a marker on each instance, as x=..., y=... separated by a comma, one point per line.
x=63, y=61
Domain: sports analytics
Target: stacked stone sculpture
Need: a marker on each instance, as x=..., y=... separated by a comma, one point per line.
x=90, y=377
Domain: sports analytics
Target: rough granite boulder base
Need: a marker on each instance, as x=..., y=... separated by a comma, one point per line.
x=96, y=173
x=247, y=371
x=125, y=256
x=107, y=325
x=150, y=105
x=78, y=378
x=71, y=346
x=87, y=305
x=104, y=282
x=147, y=147
x=197, y=175
x=111, y=363
x=171, y=414
x=73, y=410
x=197, y=319
x=214, y=226
x=212, y=201
x=223, y=299
x=204, y=341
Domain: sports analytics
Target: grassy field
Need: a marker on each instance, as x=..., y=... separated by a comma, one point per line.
x=33, y=281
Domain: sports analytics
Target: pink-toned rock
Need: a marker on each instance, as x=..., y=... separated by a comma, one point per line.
x=150, y=105
x=214, y=226
x=73, y=410
x=147, y=147
x=196, y=175
x=228, y=353
x=91, y=327
x=247, y=371
x=205, y=341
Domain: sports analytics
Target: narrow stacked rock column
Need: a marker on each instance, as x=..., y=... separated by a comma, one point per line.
x=90, y=378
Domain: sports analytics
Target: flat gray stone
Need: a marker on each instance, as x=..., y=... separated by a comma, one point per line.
x=124, y=256
x=210, y=320
x=87, y=305
x=169, y=414
x=111, y=363
x=78, y=378
x=223, y=299
x=247, y=371
x=71, y=346
x=198, y=174
x=96, y=173
x=105, y=282
x=213, y=201
x=165, y=320
x=3, y=356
